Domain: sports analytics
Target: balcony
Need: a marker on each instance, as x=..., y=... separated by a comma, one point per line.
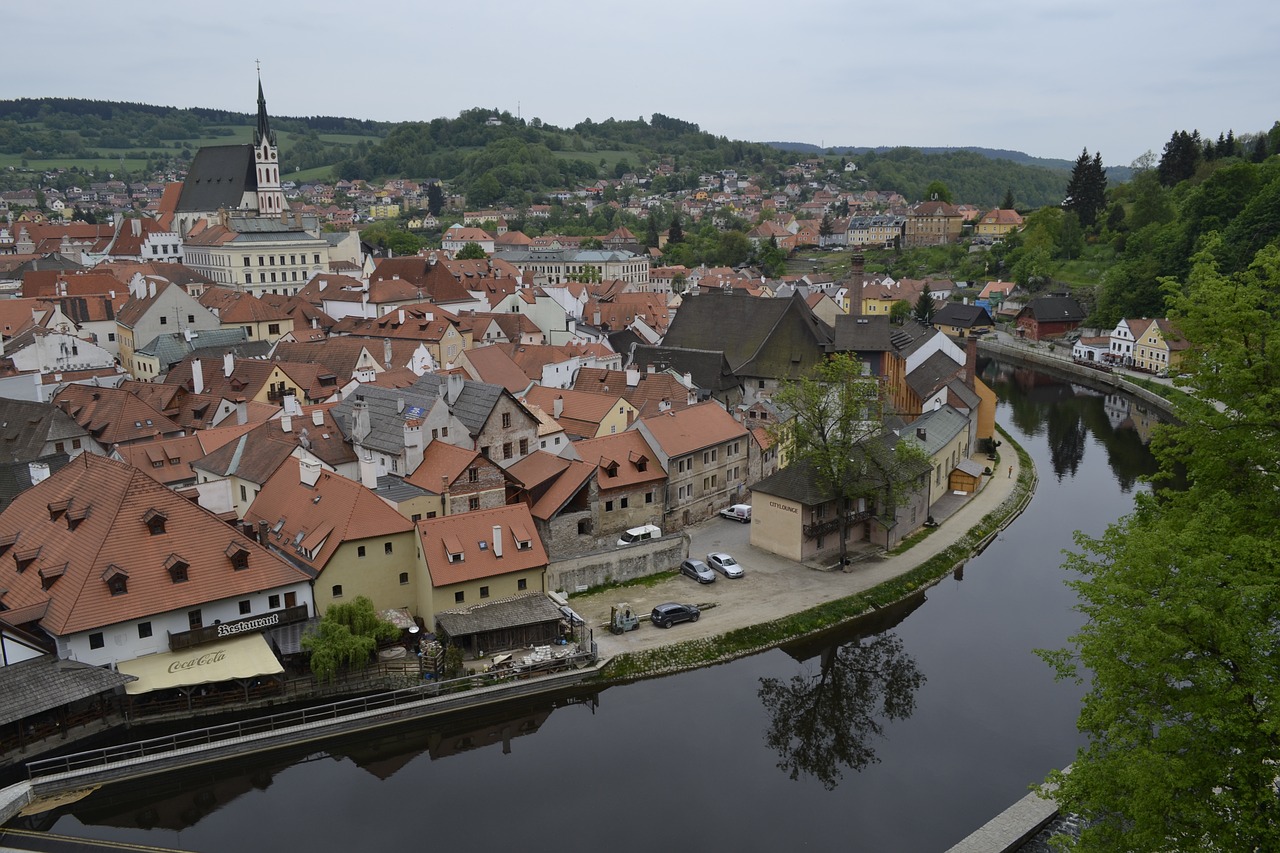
x=832, y=525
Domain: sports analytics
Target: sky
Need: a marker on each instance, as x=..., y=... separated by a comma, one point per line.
x=1044, y=77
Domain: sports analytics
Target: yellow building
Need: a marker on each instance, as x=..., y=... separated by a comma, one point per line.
x=1158, y=347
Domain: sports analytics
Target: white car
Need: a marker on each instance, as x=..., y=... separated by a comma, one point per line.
x=737, y=512
x=724, y=564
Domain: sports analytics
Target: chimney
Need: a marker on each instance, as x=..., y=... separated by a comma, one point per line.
x=262, y=533
x=971, y=362
x=317, y=417
x=633, y=378
x=308, y=472
x=286, y=423
x=497, y=540
x=39, y=472
x=651, y=368
x=454, y=384
x=368, y=470
x=386, y=353
x=242, y=411
x=197, y=376
x=401, y=317
x=400, y=404
x=557, y=407
x=360, y=427
x=412, y=445
x=857, y=278
x=228, y=364
x=151, y=289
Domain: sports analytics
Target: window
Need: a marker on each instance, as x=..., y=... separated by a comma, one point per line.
x=244, y=495
x=164, y=321
x=246, y=607
x=96, y=640
x=273, y=602
x=273, y=328
x=459, y=597
x=506, y=450
x=522, y=584
x=473, y=474
x=506, y=420
x=404, y=578
x=608, y=506
x=75, y=444
x=111, y=336
x=622, y=503
x=484, y=592
x=386, y=547
x=144, y=630
x=359, y=550
x=337, y=590
x=584, y=527
x=194, y=619
x=524, y=447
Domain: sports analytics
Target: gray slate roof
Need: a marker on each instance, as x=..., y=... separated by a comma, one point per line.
x=937, y=370
x=708, y=369
x=862, y=334
x=41, y=684
x=797, y=482
x=25, y=426
x=386, y=420
x=219, y=177
x=1061, y=309
x=172, y=347
x=494, y=616
x=961, y=316
x=940, y=426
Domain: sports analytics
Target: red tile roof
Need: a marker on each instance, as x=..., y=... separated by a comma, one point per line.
x=691, y=429
x=471, y=535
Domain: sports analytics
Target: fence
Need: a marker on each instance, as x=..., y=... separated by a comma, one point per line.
x=349, y=708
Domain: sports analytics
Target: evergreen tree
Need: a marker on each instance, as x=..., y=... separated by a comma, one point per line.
x=675, y=233
x=1087, y=188
x=651, y=231
x=435, y=199
x=1260, y=149
x=1180, y=158
x=924, y=309
x=825, y=228
x=1007, y=204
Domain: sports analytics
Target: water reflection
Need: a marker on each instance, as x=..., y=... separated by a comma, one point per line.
x=1067, y=413
x=823, y=722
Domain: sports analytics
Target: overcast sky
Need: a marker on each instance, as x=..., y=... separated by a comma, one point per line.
x=1044, y=77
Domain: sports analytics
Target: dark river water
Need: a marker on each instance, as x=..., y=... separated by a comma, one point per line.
x=904, y=734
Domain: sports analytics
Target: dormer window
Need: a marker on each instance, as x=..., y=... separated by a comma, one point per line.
x=522, y=538
x=453, y=549
x=177, y=568
x=611, y=469
x=49, y=576
x=25, y=558
x=7, y=542
x=155, y=521
x=117, y=579
x=57, y=508
x=238, y=554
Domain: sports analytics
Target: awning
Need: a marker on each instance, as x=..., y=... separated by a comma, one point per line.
x=238, y=657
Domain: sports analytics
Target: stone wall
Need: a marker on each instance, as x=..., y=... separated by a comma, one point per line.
x=614, y=565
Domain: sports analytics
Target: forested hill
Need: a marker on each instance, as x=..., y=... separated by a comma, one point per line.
x=494, y=156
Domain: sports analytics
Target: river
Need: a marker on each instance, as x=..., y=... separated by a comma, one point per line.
x=902, y=735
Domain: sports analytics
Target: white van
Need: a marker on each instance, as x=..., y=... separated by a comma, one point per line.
x=639, y=534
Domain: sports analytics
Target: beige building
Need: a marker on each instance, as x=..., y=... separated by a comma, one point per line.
x=704, y=452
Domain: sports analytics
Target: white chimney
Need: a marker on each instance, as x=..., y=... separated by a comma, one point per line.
x=401, y=316
x=228, y=364
x=557, y=407
x=286, y=423
x=368, y=469
x=497, y=540
x=317, y=417
x=39, y=472
x=151, y=289
x=633, y=378
x=197, y=376
x=308, y=471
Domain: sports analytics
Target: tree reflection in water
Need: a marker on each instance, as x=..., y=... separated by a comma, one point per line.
x=823, y=722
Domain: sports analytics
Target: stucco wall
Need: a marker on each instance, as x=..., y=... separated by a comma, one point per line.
x=618, y=564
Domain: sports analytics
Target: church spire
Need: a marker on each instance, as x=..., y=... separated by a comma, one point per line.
x=263, y=133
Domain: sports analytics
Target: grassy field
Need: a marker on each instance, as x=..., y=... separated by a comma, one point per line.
x=610, y=158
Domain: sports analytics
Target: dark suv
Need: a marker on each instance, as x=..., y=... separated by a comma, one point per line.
x=666, y=615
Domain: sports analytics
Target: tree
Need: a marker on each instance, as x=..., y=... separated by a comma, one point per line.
x=1180, y=158
x=651, y=231
x=937, y=191
x=771, y=258
x=825, y=228
x=923, y=312
x=675, y=233
x=471, y=251
x=1182, y=599
x=346, y=636
x=435, y=198
x=836, y=432
x=1087, y=188
x=1007, y=204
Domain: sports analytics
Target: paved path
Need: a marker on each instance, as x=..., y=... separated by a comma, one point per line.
x=773, y=586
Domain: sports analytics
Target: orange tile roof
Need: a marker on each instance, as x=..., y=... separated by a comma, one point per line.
x=443, y=463
x=694, y=428
x=335, y=510
x=583, y=410
x=113, y=416
x=464, y=534
x=111, y=499
x=619, y=459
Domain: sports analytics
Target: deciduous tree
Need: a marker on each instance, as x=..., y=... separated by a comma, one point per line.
x=471, y=252
x=346, y=636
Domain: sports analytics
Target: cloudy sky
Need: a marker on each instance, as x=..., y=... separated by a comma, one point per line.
x=1045, y=77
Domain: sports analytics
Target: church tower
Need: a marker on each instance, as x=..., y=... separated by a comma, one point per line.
x=266, y=158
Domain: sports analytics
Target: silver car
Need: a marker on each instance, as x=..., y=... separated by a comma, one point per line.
x=697, y=570
x=724, y=564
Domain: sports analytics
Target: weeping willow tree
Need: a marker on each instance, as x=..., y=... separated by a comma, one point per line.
x=347, y=636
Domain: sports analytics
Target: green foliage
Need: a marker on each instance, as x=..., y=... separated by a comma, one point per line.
x=1182, y=599
x=1087, y=189
x=901, y=310
x=471, y=251
x=937, y=191
x=390, y=236
x=923, y=311
x=346, y=637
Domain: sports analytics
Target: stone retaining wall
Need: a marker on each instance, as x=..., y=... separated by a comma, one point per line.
x=615, y=565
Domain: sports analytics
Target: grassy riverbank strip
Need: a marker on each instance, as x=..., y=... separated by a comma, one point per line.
x=750, y=640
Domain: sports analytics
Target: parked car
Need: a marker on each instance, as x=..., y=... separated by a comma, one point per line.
x=724, y=564
x=666, y=615
x=697, y=570
x=738, y=512
x=639, y=534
